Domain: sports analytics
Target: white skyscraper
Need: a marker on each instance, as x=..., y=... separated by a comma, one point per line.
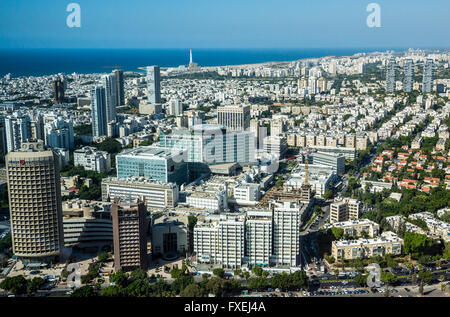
x=109, y=82
x=175, y=107
x=17, y=130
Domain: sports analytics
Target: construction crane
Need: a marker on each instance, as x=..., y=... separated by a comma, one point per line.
x=306, y=154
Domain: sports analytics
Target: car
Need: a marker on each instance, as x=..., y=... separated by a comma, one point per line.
x=35, y=272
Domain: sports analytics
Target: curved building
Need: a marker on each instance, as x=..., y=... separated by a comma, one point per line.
x=35, y=202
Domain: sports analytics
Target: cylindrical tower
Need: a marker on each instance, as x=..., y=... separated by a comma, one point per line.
x=35, y=202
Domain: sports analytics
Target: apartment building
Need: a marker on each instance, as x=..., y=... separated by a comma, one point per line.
x=345, y=210
x=387, y=243
x=258, y=237
x=286, y=234
x=92, y=159
x=358, y=227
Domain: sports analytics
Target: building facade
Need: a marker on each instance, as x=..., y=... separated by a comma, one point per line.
x=156, y=194
x=157, y=163
x=130, y=235
x=35, y=202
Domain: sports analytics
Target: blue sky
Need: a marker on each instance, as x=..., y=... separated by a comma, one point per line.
x=224, y=24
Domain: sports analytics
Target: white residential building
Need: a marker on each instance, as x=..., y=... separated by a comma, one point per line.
x=92, y=159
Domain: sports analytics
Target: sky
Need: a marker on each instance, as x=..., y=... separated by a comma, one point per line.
x=224, y=24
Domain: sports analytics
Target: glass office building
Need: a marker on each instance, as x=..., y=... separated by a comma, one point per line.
x=160, y=164
x=212, y=144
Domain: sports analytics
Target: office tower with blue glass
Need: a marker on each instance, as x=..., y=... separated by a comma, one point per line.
x=390, y=75
x=428, y=76
x=98, y=102
x=153, y=85
x=408, y=80
x=120, y=87
x=150, y=162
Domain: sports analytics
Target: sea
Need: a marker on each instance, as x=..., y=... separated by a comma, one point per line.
x=41, y=62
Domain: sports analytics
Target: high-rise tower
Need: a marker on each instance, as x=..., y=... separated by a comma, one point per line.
x=408, y=80
x=153, y=84
x=35, y=202
x=130, y=235
x=428, y=76
x=120, y=87
x=58, y=91
x=110, y=85
x=390, y=75
x=98, y=105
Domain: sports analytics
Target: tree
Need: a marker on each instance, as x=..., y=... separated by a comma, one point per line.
x=16, y=285
x=338, y=233
x=388, y=278
x=257, y=270
x=138, y=275
x=192, y=221
x=361, y=279
x=138, y=288
x=34, y=284
x=215, y=286
x=181, y=282
x=84, y=291
x=119, y=278
x=112, y=291
x=416, y=244
x=219, y=272
x=103, y=257
x=192, y=290
x=390, y=261
x=328, y=194
x=110, y=145
x=258, y=283
x=425, y=276
x=421, y=288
